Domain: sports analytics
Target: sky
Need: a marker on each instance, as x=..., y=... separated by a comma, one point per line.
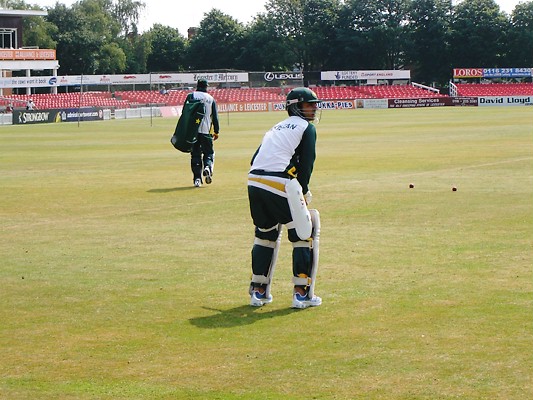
x=183, y=14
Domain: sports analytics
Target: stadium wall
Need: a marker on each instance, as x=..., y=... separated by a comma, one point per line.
x=23, y=117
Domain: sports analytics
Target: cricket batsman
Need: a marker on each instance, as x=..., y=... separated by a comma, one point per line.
x=278, y=193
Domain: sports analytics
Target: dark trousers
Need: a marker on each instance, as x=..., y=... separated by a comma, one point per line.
x=268, y=210
x=202, y=155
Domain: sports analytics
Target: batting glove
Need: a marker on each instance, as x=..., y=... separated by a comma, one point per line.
x=308, y=197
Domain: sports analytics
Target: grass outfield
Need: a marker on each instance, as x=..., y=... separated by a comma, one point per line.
x=119, y=280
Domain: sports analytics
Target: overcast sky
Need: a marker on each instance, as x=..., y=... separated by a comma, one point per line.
x=182, y=14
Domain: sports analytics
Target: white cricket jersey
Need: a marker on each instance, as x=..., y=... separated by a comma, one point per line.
x=279, y=145
x=208, y=100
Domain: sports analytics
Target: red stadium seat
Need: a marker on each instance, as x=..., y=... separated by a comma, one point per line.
x=494, y=89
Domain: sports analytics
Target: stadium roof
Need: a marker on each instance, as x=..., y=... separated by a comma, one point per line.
x=23, y=13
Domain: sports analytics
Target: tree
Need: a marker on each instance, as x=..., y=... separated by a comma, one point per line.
x=137, y=48
x=126, y=13
x=306, y=28
x=77, y=44
x=353, y=49
x=218, y=43
x=520, y=41
x=87, y=37
x=167, y=49
x=125, y=16
x=373, y=34
x=429, y=37
x=478, y=35
x=38, y=32
x=320, y=20
x=392, y=22
x=98, y=17
x=428, y=50
x=112, y=59
x=261, y=52
x=16, y=5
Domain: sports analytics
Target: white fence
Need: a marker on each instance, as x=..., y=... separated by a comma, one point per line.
x=142, y=112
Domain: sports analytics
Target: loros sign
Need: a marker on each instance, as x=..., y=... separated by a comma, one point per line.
x=468, y=72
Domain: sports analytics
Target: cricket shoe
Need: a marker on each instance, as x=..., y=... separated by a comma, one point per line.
x=208, y=173
x=303, y=301
x=258, y=299
x=197, y=182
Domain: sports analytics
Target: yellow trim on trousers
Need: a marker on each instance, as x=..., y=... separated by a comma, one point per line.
x=273, y=184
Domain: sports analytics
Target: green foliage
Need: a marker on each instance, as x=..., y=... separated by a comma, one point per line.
x=39, y=32
x=15, y=5
x=372, y=33
x=479, y=33
x=218, y=42
x=87, y=35
x=262, y=51
x=167, y=52
x=306, y=30
x=521, y=36
x=428, y=28
x=127, y=13
x=80, y=36
x=112, y=59
x=137, y=49
x=427, y=36
x=96, y=15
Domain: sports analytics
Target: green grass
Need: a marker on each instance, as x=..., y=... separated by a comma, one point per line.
x=119, y=280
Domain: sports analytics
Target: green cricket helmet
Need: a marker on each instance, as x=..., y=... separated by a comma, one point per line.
x=202, y=85
x=296, y=97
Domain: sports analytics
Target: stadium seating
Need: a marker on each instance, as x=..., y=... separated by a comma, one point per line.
x=177, y=97
x=494, y=89
x=69, y=100
x=340, y=93
x=397, y=92
x=140, y=98
x=147, y=97
x=246, y=95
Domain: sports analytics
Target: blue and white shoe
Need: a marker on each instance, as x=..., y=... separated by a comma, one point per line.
x=303, y=301
x=208, y=173
x=258, y=299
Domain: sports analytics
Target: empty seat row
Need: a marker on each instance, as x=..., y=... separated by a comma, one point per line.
x=136, y=98
x=494, y=89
